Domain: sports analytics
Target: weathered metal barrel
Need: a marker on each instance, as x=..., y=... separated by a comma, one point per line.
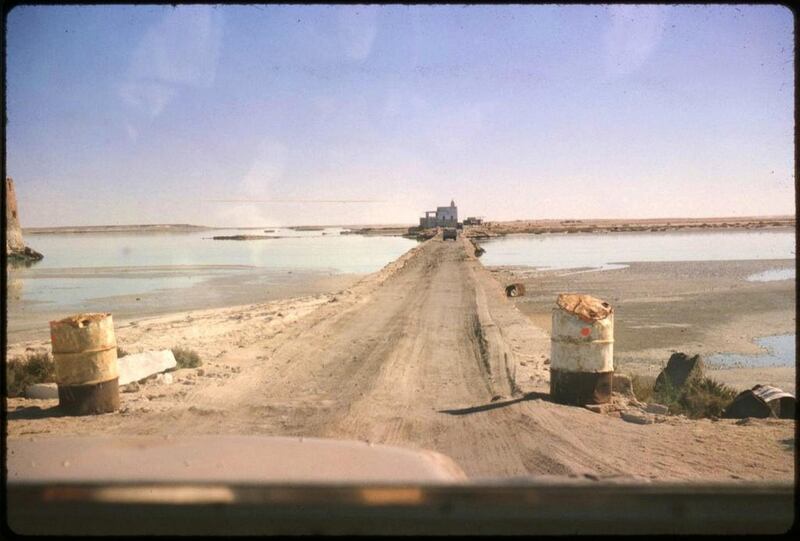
x=582, y=350
x=85, y=355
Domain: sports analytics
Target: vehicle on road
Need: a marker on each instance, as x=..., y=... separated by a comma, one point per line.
x=449, y=233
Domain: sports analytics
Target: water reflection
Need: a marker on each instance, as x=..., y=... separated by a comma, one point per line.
x=82, y=267
x=21, y=262
x=602, y=250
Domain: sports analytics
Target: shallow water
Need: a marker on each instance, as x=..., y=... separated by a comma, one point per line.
x=80, y=267
x=604, y=251
x=288, y=250
x=781, y=352
x=772, y=275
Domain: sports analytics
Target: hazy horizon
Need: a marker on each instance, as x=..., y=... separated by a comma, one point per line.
x=402, y=224
x=136, y=115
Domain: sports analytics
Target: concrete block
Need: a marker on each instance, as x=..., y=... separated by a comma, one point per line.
x=42, y=391
x=139, y=366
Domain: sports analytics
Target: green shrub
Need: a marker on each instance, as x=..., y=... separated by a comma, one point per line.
x=186, y=358
x=701, y=398
x=22, y=371
x=706, y=398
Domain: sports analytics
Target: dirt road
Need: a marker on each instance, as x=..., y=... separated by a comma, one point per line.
x=426, y=353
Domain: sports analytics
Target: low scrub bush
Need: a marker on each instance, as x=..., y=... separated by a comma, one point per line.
x=706, y=398
x=643, y=387
x=22, y=371
x=186, y=358
x=697, y=399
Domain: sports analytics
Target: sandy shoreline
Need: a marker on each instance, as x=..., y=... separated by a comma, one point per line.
x=491, y=229
x=29, y=321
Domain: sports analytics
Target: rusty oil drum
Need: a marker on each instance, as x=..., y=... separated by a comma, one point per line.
x=85, y=355
x=582, y=350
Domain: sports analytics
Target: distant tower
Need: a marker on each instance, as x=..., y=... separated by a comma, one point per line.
x=15, y=246
x=14, y=242
x=452, y=203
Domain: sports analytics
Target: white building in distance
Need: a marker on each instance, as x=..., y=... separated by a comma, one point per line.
x=442, y=217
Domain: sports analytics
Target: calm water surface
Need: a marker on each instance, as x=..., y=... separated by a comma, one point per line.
x=80, y=267
x=608, y=250
x=781, y=351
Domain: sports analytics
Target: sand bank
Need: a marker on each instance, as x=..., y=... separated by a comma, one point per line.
x=28, y=320
x=705, y=307
x=497, y=228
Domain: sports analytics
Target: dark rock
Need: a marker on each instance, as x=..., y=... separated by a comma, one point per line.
x=681, y=370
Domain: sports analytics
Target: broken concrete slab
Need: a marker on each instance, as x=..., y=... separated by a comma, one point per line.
x=140, y=366
x=42, y=391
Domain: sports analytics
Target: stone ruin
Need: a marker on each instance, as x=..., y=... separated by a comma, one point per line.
x=16, y=251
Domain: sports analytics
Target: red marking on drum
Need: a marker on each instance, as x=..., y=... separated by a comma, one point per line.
x=586, y=331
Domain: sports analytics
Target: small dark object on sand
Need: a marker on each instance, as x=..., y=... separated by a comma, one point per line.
x=515, y=290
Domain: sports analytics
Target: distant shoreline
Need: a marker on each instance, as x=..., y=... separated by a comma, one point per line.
x=497, y=229
x=144, y=228
x=493, y=228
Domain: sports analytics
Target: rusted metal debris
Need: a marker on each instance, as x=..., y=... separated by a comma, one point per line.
x=515, y=290
x=85, y=356
x=762, y=401
x=586, y=307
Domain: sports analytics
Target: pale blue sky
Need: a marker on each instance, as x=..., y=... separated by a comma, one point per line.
x=143, y=114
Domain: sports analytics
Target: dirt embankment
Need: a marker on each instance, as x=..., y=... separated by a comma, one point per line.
x=426, y=353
